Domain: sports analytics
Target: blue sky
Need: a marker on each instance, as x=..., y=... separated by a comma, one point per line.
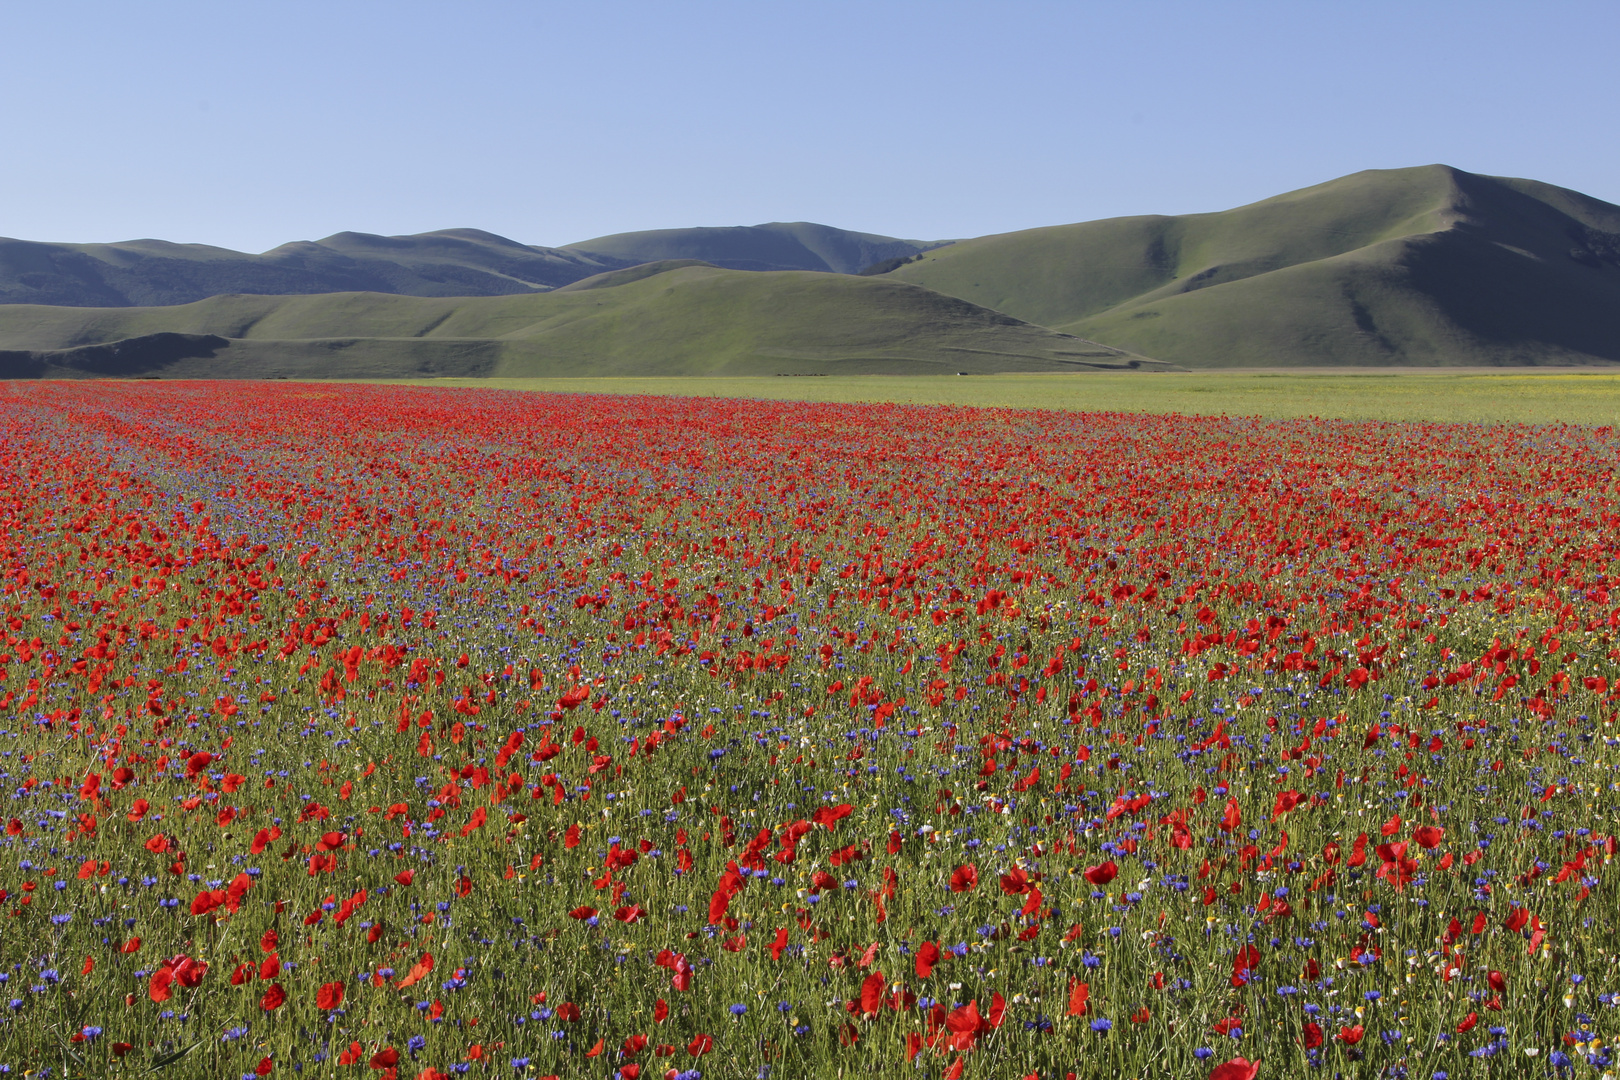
x=248, y=125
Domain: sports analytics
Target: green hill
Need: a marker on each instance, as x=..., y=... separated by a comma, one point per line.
x=797, y=245
x=630, y=274
x=1422, y=266
x=451, y=262
x=687, y=319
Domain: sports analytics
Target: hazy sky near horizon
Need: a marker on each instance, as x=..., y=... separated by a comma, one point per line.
x=248, y=126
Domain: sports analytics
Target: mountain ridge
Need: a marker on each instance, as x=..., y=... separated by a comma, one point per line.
x=776, y=245
x=1425, y=266
x=445, y=262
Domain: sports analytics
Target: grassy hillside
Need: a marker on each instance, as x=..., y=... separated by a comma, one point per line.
x=632, y=273
x=1424, y=266
x=686, y=320
x=797, y=245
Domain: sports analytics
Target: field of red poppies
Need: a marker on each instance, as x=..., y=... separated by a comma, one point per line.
x=378, y=731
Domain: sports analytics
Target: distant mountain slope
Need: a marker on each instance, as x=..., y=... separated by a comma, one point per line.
x=1426, y=266
x=688, y=319
x=452, y=262
x=797, y=245
x=455, y=262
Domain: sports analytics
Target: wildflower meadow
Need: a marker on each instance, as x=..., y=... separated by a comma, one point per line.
x=369, y=731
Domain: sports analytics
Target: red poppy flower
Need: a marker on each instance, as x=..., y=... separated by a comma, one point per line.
x=187, y=972
x=329, y=996
x=1101, y=874
x=927, y=956
x=1244, y=961
x=1236, y=1069
x=872, y=988
x=418, y=972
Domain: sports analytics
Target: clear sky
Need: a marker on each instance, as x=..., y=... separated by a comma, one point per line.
x=248, y=125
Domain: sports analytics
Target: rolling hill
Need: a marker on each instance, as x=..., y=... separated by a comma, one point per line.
x=798, y=245
x=452, y=262
x=1425, y=266
x=682, y=318
x=455, y=262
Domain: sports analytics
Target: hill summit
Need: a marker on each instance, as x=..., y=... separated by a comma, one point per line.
x=1419, y=266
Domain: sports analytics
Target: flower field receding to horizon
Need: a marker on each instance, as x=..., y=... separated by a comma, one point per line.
x=382, y=731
